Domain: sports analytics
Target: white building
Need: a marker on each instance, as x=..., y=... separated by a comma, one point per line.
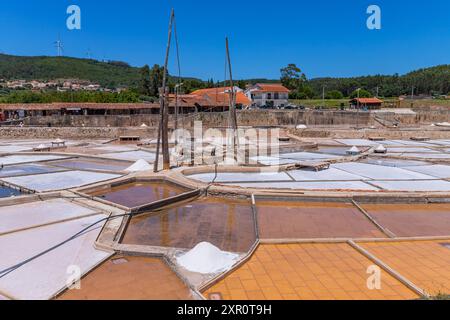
x=268, y=95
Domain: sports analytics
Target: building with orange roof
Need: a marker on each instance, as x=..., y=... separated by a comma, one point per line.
x=271, y=95
x=366, y=103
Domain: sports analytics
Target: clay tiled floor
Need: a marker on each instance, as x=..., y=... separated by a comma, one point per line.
x=130, y=278
x=139, y=193
x=413, y=220
x=426, y=264
x=298, y=220
x=307, y=272
x=227, y=224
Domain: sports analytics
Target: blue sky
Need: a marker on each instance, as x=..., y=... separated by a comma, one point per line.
x=323, y=37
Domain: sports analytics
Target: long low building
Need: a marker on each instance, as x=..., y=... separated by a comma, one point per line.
x=205, y=100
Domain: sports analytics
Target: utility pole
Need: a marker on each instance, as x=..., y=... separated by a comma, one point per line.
x=412, y=93
x=232, y=115
x=323, y=95
x=163, y=133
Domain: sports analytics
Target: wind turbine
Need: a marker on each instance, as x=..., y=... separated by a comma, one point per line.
x=59, y=46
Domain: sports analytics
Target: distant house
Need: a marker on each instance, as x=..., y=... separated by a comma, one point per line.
x=366, y=103
x=268, y=95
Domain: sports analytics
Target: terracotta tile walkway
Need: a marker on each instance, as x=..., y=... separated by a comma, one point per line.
x=414, y=219
x=309, y=220
x=307, y=272
x=135, y=278
x=426, y=264
x=227, y=224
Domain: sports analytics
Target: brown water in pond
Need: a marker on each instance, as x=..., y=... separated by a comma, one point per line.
x=227, y=224
x=304, y=220
x=130, y=278
x=412, y=220
x=139, y=193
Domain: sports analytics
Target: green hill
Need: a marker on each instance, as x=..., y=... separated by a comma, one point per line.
x=428, y=81
x=108, y=74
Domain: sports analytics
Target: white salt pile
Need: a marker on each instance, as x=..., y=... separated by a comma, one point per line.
x=144, y=125
x=443, y=124
x=41, y=146
x=205, y=258
x=354, y=151
x=140, y=165
x=301, y=126
x=380, y=149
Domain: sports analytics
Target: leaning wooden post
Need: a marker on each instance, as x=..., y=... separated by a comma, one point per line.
x=164, y=123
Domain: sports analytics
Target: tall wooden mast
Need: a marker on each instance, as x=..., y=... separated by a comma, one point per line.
x=163, y=130
x=232, y=120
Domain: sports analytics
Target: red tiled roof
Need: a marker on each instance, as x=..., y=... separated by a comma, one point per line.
x=272, y=87
x=368, y=100
x=219, y=97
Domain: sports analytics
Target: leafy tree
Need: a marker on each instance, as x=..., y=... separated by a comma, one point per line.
x=156, y=80
x=144, y=87
x=334, y=94
x=362, y=94
x=292, y=77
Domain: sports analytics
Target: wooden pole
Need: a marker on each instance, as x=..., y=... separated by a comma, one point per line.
x=164, y=112
x=232, y=114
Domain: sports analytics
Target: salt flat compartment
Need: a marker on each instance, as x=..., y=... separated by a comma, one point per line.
x=139, y=193
x=306, y=272
x=438, y=171
x=226, y=223
x=130, y=278
x=380, y=172
x=6, y=192
x=412, y=220
x=224, y=177
x=393, y=162
x=92, y=164
x=42, y=278
x=28, y=215
x=331, y=174
x=424, y=185
x=309, y=220
x=425, y=263
x=310, y=185
x=27, y=169
x=132, y=156
x=60, y=180
x=19, y=159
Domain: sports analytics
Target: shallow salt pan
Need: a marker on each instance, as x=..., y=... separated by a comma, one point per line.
x=242, y=177
x=411, y=150
x=42, y=278
x=434, y=185
x=28, y=158
x=272, y=161
x=27, y=169
x=428, y=155
x=324, y=175
x=12, y=149
x=132, y=156
x=438, y=171
x=380, y=172
x=307, y=156
x=357, y=142
x=332, y=185
x=60, y=180
x=28, y=215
